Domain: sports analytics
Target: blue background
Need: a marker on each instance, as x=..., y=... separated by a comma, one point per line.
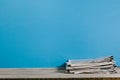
x=46, y=33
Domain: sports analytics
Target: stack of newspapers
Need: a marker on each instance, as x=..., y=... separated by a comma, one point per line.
x=90, y=66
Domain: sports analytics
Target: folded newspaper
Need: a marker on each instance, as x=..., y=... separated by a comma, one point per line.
x=104, y=65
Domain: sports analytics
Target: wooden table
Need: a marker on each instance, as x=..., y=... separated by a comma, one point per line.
x=51, y=74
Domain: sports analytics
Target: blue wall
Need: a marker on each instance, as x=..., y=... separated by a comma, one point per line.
x=45, y=33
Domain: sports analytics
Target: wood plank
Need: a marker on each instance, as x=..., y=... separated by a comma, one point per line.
x=48, y=73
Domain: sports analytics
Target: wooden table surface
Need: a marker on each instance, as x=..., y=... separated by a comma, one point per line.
x=48, y=73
